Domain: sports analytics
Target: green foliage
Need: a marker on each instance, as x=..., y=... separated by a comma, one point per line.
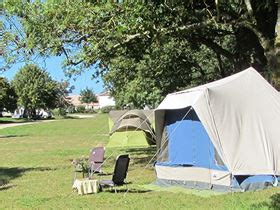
x=59, y=112
x=275, y=201
x=35, y=89
x=71, y=109
x=62, y=112
x=62, y=91
x=88, y=96
x=146, y=49
x=81, y=109
x=107, y=109
x=8, y=97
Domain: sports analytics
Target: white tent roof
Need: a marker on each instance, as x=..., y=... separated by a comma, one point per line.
x=241, y=115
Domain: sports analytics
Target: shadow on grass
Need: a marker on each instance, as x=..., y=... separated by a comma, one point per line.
x=141, y=150
x=12, y=122
x=8, y=174
x=25, y=120
x=67, y=117
x=142, y=156
x=5, y=187
x=129, y=191
x=274, y=203
x=11, y=136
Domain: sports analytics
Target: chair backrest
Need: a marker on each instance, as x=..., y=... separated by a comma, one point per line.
x=120, y=170
x=96, y=158
x=97, y=155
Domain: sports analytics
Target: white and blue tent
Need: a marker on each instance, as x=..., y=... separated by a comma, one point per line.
x=224, y=135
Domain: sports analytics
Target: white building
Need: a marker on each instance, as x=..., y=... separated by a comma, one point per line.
x=104, y=99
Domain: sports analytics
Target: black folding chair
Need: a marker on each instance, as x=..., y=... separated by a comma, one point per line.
x=119, y=175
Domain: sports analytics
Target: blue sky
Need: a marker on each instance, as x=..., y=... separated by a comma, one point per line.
x=54, y=66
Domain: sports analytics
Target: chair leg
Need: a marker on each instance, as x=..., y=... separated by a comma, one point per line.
x=126, y=187
x=115, y=189
x=100, y=188
x=75, y=176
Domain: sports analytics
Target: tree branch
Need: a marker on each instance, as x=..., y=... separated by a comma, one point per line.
x=130, y=38
x=216, y=48
x=70, y=61
x=78, y=39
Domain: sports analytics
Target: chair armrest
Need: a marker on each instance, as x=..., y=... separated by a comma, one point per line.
x=104, y=174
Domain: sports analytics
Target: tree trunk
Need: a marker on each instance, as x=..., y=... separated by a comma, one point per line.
x=25, y=112
x=274, y=54
x=277, y=40
x=275, y=51
x=33, y=114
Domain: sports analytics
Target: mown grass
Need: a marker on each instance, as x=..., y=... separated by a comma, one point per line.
x=6, y=120
x=35, y=168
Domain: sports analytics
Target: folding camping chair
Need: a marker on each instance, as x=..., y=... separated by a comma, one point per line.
x=96, y=160
x=119, y=175
x=93, y=165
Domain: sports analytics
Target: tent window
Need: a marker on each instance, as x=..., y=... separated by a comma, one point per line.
x=130, y=117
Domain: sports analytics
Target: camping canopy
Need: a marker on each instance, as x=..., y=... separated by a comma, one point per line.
x=229, y=127
x=132, y=126
x=134, y=119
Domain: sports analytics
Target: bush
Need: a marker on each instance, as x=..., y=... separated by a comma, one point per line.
x=81, y=109
x=55, y=112
x=59, y=112
x=71, y=109
x=62, y=112
x=90, y=111
x=107, y=109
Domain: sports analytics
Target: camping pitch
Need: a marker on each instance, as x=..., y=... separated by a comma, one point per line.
x=223, y=135
x=131, y=128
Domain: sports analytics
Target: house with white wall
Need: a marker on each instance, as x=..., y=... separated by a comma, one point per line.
x=103, y=99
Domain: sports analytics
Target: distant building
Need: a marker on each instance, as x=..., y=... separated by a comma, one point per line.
x=103, y=99
x=74, y=100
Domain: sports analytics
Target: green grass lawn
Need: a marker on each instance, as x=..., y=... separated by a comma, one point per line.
x=35, y=166
x=4, y=120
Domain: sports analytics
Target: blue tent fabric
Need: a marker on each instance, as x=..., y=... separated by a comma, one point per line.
x=190, y=146
x=189, y=143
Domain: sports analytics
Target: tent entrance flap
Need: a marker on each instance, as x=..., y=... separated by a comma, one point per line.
x=188, y=142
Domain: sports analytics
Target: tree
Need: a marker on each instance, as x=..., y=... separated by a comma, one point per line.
x=63, y=90
x=146, y=49
x=35, y=89
x=88, y=96
x=8, y=97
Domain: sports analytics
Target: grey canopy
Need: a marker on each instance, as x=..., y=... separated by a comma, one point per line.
x=115, y=115
x=132, y=120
